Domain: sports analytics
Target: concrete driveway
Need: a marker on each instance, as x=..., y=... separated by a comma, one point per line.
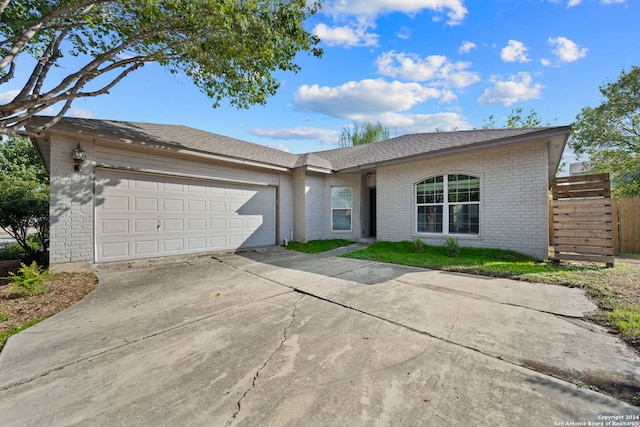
x=283, y=338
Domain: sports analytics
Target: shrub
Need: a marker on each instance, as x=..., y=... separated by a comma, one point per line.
x=418, y=245
x=453, y=247
x=3, y=317
x=11, y=251
x=29, y=280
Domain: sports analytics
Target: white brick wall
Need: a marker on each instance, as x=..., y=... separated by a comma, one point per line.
x=514, y=194
x=312, y=209
x=315, y=206
x=71, y=211
x=286, y=207
x=299, y=208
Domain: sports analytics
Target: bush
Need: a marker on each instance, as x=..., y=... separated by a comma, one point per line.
x=11, y=251
x=453, y=247
x=418, y=245
x=3, y=317
x=30, y=280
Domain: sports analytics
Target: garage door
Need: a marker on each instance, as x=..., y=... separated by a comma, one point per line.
x=147, y=215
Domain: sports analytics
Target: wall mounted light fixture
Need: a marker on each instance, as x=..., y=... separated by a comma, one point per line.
x=78, y=155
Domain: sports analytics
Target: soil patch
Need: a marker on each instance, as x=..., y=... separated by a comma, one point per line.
x=64, y=290
x=618, y=386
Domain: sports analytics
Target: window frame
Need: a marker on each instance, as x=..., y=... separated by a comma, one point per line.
x=350, y=208
x=446, y=204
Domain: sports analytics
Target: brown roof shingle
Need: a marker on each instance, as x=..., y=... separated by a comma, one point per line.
x=394, y=149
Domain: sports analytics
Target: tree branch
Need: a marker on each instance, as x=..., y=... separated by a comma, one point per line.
x=32, y=31
x=9, y=75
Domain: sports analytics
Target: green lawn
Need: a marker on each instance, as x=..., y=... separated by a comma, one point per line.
x=317, y=246
x=616, y=289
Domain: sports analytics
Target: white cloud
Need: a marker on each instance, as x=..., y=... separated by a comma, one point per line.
x=80, y=113
x=454, y=9
x=401, y=124
x=404, y=33
x=572, y=3
x=345, y=35
x=6, y=97
x=279, y=146
x=435, y=68
x=567, y=50
x=545, y=62
x=467, y=47
x=325, y=136
x=519, y=88
x=515, y=51
x=356, y=98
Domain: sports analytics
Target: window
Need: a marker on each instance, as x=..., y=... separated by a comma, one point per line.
x=341, y=206
x=448, y=204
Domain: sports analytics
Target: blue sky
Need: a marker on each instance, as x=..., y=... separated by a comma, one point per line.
x=415, y=66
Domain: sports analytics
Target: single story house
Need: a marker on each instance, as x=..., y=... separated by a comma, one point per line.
x=123, y=191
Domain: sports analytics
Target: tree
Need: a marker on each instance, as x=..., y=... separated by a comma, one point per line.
x=517, y=119
x=230, y=49
x=609, y=134
x=24, y=195
x=364, y=133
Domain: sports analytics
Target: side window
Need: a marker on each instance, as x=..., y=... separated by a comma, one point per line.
x=341, y=207
x=448, y=204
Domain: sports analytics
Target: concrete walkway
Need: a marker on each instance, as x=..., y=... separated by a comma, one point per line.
x=282, y=338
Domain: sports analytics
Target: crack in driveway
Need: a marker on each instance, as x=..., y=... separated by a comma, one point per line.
x=285, y=336
x=127, y=342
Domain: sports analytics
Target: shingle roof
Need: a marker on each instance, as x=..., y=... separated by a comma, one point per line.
x=394, y=149
x=185, y=137
x=424, y=143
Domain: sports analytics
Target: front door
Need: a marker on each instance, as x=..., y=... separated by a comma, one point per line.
x=372, y=212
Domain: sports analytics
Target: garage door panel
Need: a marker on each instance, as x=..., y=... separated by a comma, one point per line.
x=196, y=206
x=217, y=224
x=115, y=203
x=140, y=216
x=146, y=184
x=198, y=224
x=196, y=189
x=145, y=225
x=173, y=225
x=114, y=226
x=171, y=187
x=145, y=247
x=218, y=242
x=115, y=249
x=197, y=243
x=173, y=245
x=145, y=204
x=173, y=205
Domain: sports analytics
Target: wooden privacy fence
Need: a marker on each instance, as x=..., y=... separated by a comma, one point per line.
x=626, y=224
x=626, y=215
x=582, y=219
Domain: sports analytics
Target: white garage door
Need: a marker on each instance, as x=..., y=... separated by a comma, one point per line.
x=147, y=215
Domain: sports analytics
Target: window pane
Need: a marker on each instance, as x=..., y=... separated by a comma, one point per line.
x=341, y=197
x=463, y=188
x=464, y=219
x=341, y=219
x=430, y=190
x=430, y=219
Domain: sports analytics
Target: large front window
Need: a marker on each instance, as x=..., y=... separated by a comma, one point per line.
x=448, y=204
x=341, y=207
